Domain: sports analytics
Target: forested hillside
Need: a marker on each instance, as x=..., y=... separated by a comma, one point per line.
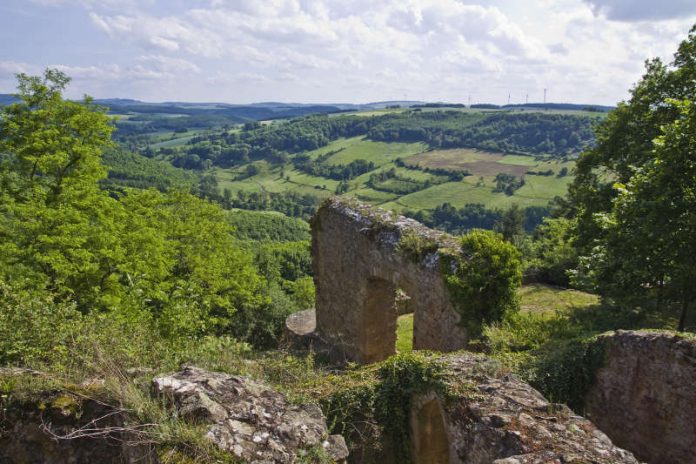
x=536, y=133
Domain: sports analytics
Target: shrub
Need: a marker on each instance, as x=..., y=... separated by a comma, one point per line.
x=482, y=278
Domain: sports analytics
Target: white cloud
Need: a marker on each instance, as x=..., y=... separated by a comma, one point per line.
x=10, y=68
x=312, y=50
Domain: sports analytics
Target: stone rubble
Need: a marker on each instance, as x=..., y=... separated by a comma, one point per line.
x=250, y=420
x=498, y=418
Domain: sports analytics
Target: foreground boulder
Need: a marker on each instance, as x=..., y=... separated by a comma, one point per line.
x=496, y=418
x=250, y=420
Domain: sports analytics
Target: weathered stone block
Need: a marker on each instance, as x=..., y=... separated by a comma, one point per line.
x=499, y=419
x=644, y=397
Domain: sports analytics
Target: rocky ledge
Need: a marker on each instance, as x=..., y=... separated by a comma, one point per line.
x=250, y=420
x=499, y=419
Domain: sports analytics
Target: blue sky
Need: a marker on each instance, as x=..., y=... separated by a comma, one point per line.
x=241, y=51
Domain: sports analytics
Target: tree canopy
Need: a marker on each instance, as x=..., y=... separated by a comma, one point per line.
x=170, y=256
x=632, y=195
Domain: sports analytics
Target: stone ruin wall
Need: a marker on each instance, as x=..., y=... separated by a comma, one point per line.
x=357, y=269
x=501, y=420
x=644, y=397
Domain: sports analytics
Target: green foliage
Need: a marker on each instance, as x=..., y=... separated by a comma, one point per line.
x=203, y=272
x=540, y=133
x=252, y=225
x=34, y=329
x=650, y=230
x=168, y=261
x=274, y=142
x=511, y=224
x=549, y=343
x=54, y=221
x=365, y=404
x=390, y=181
x=289, y=203
x=401, y=378
x=569, y=370
x=416, y=246
x=128, y=169
x=553, y=254
x=318, y=167
x=482, y=278
x=631, y=194
x=507, y=183
x=284, y=261
x=476, y=216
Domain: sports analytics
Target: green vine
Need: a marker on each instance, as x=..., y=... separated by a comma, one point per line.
x=382, y=405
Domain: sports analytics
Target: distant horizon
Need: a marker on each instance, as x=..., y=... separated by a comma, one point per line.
x=314, y=51
x=331, y=103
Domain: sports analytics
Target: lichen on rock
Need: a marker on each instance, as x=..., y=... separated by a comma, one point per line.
x=247, y=418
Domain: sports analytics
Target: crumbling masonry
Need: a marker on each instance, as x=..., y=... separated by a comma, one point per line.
x=358, y=266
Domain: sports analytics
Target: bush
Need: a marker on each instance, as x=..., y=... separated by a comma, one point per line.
x=482, y=278
x=554, y=252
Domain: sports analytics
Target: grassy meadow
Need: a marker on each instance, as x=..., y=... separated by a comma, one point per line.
x=483, y=166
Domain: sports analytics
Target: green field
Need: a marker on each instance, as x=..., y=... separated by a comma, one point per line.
x=535, y=299
x=475, y=188
x=356, y=148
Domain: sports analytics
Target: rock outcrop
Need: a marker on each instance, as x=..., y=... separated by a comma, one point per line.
x=644, y=397
x=250, y=420
x=359, y=264
x=499, y=419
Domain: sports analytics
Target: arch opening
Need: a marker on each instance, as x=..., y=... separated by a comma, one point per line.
x=378, y=334
x=429, y=440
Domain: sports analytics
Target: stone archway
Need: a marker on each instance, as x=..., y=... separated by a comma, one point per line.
x=358, y=264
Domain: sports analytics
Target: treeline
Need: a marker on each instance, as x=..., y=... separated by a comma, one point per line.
x=454, y=175
x=526, y=133
x=318, y=167
x=274, y=142
x=289, y=203
x=507, y=183
x=271, y=225
x=476, y=216
x=531, y=133
x=128, y=169
x=390, y=181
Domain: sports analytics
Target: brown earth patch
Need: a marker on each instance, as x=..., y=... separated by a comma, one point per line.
x=491, y=168
x=478, y=163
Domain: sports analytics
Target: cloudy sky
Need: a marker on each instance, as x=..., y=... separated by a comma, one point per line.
x=241, y=51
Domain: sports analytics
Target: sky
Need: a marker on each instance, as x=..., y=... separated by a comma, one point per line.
x=342, y=51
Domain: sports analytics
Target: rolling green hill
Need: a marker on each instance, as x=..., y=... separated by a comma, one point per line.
x=408, y=160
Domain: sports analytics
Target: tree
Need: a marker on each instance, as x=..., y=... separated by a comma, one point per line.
x=630, y=221
x=553, y=251
x=511, y=224
x=56, y=225
x=651, y=229
x=172, y=257
x=624, y=140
